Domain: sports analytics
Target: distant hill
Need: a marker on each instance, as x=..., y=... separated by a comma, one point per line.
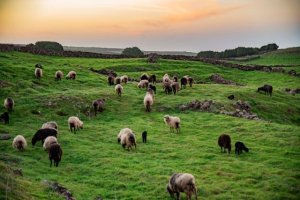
x=119, y=51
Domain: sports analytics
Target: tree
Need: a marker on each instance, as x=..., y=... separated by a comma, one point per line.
x=269, y=47
x=46, y=45
x=132, y=52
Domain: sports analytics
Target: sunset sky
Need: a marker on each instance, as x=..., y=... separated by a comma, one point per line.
x=186, y=25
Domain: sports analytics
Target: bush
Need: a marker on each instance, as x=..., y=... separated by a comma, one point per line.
x=133, y=52
x=45, y=45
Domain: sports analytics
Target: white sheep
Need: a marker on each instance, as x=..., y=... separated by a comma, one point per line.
x=75, y=123
x=182, y=182
x=19, y=143
x=9, y=104
x=119, y=89
x=143, y=84
x=172, y=122
x=148, y=101
x=124, y=79
x=38, y=73
x=51, y=124
x=49, y=141
x=128, y=141
x=166, y=78
x=59, y=75
x=123, y=132
x=71, y=75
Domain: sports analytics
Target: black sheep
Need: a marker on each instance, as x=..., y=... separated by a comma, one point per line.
x=98, y=105
x=42, y=134
x=55, y=154
x=144, y=135
x=183, y=82
x=266, y=88
x=168, y=89
x=152, y=79
x=5, y=118
x=152, y=87
x=231, y=97
x=225, y=142
x=239, y=147
x=144, y=77
x=175, y=79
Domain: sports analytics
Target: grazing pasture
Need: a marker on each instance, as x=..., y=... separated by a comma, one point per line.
x=95, y=165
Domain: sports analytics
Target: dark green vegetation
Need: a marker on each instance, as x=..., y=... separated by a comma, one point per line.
x=132, y=52
x=46, y=45
x=93, y=164
x=237, y=52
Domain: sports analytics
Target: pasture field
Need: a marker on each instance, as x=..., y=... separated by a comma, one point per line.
x=94, y=164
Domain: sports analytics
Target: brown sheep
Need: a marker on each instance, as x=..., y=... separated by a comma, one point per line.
x=119, y=89
x=224, y=141
x=55, y=154
x=71, y=75
x=98, y=105
x=38, y=73
x=175, y=87
x=9, y=104
x=58, y=75
x=111, y=80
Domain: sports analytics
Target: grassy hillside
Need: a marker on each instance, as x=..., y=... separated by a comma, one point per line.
x=94, y=164
x=289, y=56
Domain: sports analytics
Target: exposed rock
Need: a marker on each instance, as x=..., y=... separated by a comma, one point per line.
x=217, y=78
x=18, y=172
x=153, y=58
x=59, y=189
x=292, y=72
x=5, y=136
x=104, y=72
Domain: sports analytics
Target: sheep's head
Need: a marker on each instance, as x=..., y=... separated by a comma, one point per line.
x=167, y=118
x=169, y=189
x=67, y=77
x=246, y=149
x=81, y=124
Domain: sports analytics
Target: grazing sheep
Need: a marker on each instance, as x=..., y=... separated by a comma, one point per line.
x=111, y=80
x=4, y=117
x=71, y=75
x=128, y=141
x=51, y=124
x=38, y=66
x=167, y=87
x=144, y=136
x=38, y=73
x=9, y=104
x=239, y=147
x=183, y=82
x=42, y=134
x=152, y=87
x=173, y=123
x=122, y=132
x=75, y=124
x=148, y=101
x=175, y=79
x=49, y=141
x=144, y=77
x=19, y=143
x=166, y=78
x=175, y=87
x=266, y=88
x=55, y=154
x=98, y=105
x=124, y=79
x=231, y=97
x=182, y=182
x=143, y=84
x=58, y=75
x=152, y=79
x=119, y=89
x=118, y=80
x=191, y=81
x=225, y=142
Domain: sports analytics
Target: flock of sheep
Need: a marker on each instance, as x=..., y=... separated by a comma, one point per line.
x=179, y=182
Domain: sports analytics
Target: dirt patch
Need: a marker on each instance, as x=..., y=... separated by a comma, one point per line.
x=104, y=71
x=239, y=109
x=217, y=78
x=59, y=189
x=5, y=136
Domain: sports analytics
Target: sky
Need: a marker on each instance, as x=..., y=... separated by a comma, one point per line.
x=174, y=25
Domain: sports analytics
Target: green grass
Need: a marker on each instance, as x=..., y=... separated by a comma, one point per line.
x=93, y=164
x=289, y=56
